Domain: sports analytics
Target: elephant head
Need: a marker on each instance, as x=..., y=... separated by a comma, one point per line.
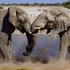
x=19, y=19
x=41, y=21
x=15, y=18
x=49, y=19
x=23, y=21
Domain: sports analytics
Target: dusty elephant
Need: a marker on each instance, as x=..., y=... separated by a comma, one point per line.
x=58, y=21
x=3, y=38
x=16, y=19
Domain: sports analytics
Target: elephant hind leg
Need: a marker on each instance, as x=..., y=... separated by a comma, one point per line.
x=2, y=53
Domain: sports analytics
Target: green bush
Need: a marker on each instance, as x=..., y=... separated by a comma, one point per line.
x=66, y=4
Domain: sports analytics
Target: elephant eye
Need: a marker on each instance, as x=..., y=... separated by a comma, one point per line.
x=46, y=18
x=50, y=21
x=36, y=31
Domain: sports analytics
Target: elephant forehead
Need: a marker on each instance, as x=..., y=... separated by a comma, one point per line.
x=22, y=13
x=40, y=21
x=22, y=16
x=12, y=10
x=20, y=10
x=48, y=15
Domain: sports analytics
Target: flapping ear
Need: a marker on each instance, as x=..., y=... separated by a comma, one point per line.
x=7, y=27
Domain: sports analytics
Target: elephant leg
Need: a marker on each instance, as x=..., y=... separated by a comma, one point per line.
x=69, y=49
x=30, y=46
x=2, y=53
x=64, y=45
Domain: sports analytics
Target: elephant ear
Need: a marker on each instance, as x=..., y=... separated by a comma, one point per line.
x=63, y=22
x=23, y=21
x=7, y=26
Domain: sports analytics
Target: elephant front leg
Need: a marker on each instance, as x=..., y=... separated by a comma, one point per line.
x=64, y=46
x=2, y=53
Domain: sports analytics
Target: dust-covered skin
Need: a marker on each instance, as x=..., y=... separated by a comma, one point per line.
x=54, y=19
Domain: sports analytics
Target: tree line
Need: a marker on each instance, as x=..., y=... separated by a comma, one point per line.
x=65, y=4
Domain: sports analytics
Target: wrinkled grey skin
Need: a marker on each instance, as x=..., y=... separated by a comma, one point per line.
x=41, y=21
x=19, y=19
x=58, y=20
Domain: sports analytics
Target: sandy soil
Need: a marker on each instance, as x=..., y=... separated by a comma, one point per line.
x=59, y=65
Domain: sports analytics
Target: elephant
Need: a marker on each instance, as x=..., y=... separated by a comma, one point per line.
x=16, y=18
x=56, y=20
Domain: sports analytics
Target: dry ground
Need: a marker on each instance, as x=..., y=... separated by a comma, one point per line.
x=59, y=65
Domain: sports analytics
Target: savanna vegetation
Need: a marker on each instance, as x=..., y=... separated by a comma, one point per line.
x=66, y=4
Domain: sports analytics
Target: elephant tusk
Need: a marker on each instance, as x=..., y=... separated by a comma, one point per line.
x=34, y=34
x=30, y=32
x=37, y=27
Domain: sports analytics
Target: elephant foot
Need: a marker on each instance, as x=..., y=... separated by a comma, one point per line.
x=26, y=53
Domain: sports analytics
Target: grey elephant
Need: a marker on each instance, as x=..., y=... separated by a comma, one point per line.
x=16, y=18
x=58, y=21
